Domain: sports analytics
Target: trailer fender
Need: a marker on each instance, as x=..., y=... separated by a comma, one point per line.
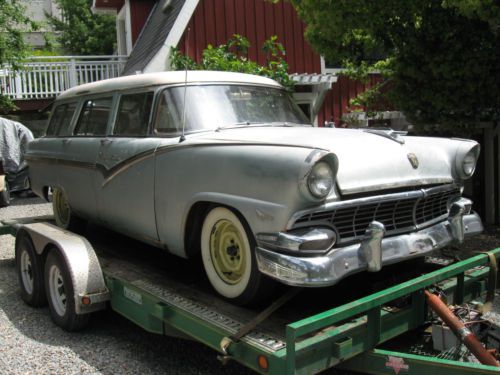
x=90, y=290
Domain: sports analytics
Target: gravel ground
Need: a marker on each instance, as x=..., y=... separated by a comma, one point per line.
x=31, y=344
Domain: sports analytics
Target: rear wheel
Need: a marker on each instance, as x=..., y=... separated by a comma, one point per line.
x=30, y=272
x=61, y=295
x=227, y=249
x=63, y=214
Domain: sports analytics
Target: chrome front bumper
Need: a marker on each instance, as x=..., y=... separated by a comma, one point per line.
x=372, y=253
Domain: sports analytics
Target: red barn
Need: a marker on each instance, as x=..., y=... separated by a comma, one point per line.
x=147, y=29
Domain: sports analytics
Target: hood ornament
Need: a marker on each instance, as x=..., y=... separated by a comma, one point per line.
x=413, y=160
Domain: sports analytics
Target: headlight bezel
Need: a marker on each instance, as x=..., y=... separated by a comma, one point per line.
x=318, y=175
x=466, y=160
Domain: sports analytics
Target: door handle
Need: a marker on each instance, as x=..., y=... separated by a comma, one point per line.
x=106, y=141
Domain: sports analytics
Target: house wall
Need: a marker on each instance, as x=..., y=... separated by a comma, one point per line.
x=139, y=13
x=215, y=21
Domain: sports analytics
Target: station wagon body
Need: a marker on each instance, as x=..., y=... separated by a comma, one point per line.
x=222, y=165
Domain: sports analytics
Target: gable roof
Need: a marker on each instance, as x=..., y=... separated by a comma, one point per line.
x=162, y=22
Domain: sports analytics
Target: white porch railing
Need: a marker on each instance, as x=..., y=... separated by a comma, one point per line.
x=47, y=76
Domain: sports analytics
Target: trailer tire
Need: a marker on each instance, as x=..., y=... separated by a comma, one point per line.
x=63, y=213
x=227, y=251
x=29, y=267
x=60, y=294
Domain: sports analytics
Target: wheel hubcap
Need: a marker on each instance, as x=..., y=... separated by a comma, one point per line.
x=227, y=250
x=27, y=272
x=57, y=290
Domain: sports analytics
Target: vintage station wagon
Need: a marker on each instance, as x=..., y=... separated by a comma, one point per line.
x=223, y=166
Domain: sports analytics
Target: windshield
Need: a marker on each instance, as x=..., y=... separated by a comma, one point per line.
x=212, y=107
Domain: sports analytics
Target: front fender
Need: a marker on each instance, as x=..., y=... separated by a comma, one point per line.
x=262, y=182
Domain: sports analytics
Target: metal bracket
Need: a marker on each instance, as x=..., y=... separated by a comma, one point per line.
x=492, y=281
x=226, y=342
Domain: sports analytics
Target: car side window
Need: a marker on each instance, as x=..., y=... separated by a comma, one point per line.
x=133, y=114
x=167, y=117
x=61, y=119
x=94, y=117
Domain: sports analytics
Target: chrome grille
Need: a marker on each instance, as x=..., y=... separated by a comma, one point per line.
x=401, y=212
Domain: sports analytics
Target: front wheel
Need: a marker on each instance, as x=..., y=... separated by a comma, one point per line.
x=227, y=249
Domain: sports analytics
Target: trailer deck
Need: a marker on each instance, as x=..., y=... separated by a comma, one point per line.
x=341, y=326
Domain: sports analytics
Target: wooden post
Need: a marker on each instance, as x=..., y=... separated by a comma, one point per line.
x=489, y=175
x=496, y=135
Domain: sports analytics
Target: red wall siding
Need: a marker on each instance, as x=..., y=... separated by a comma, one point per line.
x=139, y=13
x=215, y=21
x=337, y=100
x=109, y=4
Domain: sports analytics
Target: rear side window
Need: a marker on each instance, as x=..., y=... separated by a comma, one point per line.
x=133, y=114
x=61, y=119
x=94, y=117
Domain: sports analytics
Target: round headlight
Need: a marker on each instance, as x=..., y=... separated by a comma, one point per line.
x=320, y=180
x=469, y=163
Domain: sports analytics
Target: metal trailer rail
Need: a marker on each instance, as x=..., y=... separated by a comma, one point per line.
x=344, y=337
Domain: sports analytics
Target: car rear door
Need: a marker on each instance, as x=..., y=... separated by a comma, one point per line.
x=125, y=161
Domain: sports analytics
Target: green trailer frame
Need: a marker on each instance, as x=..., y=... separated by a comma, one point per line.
x=344, y=337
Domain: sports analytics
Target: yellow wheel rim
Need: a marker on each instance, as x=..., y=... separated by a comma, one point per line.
x=61, y=206
x=227, y=249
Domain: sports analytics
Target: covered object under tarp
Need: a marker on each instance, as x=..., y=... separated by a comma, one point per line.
x=14, y=137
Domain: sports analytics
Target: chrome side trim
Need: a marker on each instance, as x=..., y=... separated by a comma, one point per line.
x=110, y=173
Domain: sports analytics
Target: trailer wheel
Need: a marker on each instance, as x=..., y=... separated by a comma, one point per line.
x=5, y=194
x=60, y=294
x=30, y=272
x=63, y=214
x=227, y=250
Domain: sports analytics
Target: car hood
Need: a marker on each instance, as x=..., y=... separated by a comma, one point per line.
x=367, y=161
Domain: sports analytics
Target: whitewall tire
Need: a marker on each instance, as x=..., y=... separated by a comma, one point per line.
x=227, y=251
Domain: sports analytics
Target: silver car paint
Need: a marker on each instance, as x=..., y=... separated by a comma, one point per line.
x=256, y=170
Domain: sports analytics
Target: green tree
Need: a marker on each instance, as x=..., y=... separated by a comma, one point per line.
x=83, y=32
x=13, y=48
x=231, y=57
x=440, y=59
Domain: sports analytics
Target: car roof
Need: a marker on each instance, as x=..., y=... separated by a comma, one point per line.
x=165, y=78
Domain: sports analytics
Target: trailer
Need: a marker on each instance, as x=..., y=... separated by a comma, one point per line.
x=376, y=325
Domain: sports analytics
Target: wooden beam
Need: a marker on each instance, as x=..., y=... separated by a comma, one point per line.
x=497, y=167
x=489, y=176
